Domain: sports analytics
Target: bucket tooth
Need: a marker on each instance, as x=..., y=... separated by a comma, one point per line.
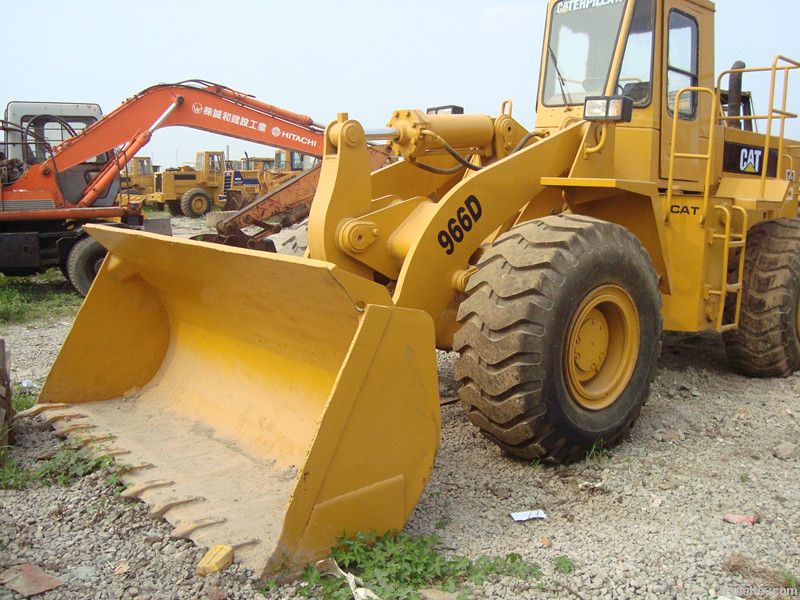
x=70, y=429
x=50, y=420
x=159, y=509
x=185, y=530
x=245, y=542
x=37, y=409
x=117, y=452
x=96, y=439
x=131, y=468
x=218, y=558
x=136, y=490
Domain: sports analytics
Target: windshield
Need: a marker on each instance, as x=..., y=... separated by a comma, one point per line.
x=579, y=52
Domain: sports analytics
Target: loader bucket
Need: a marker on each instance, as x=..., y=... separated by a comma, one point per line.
x=268, y=402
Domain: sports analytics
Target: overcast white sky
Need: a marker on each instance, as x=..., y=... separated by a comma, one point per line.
x=317, y=58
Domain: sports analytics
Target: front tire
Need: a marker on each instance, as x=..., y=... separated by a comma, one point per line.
x=767, y=341
x=195, y=203
x=83, y=262
x=560, y=337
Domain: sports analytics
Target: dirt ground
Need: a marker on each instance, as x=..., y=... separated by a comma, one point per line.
x=643, y=520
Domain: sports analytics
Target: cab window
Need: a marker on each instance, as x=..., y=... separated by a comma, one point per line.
x=297, y=161
x=48, y=131
x=682, y=61
x=636, y=75
x=579, y=51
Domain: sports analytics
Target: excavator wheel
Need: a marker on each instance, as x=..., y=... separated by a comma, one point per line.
x=195, y=203
x=83, y=263
x=560, y=337
x=767, y=341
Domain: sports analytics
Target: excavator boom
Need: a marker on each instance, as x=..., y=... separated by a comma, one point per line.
x=196, y=104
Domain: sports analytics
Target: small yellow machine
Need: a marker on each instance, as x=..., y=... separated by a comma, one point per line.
x=191, y=191
x=137, y=177
x=255, y=176
x=550, y=258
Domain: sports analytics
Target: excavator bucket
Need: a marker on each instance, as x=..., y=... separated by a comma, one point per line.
x=309, y=412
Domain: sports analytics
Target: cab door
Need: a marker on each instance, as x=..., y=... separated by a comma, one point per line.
x=213, y=171
x=680, y=69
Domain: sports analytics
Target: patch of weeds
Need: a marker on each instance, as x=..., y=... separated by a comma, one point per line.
x=790, y=581
x=155, y=213
x=598, y=451
x=115, y=481
x=268, y=587
x=11, y=476
x=445, y=519
x=23, y=397
x=24, y=299
x=535, y=463
x=396, y=566
x=749, y=569
x=70, y=462
x=744, y=478
x=563, y=564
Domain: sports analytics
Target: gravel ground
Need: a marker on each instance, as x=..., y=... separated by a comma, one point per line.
x=644, y=521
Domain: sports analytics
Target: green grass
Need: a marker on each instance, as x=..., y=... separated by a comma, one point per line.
x=24, y=299
x=70, y=462
x=597, y=452
x=153, y=212
x=23, y=398
x=398, y=565
x=563, y=564
x=790, y=581
x=11, y=476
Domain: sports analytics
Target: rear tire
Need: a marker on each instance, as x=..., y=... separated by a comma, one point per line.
x=540, y=287
x=83, y=263
x=195, y=203
x=767, y=341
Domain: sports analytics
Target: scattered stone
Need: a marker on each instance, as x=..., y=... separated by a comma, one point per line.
x=786, y=451
x=741, y=519
x=29, y=580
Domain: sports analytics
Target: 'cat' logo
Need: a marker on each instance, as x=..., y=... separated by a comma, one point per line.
x=750, y=160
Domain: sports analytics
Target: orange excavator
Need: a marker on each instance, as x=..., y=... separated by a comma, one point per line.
x=47, y=196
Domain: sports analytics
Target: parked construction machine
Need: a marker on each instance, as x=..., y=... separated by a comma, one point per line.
x=61, y=168
x=550, y=258
x=255, y=176
x=191, y=191
x=41, y=209
x=137, y=176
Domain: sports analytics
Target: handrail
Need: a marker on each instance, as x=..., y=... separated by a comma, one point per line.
x=781, y=113
x=706, y=157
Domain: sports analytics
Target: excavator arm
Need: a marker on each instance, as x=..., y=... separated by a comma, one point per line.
x=196, y=104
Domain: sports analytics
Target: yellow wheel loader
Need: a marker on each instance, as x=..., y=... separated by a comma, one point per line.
x=551, y=259
x=190, y=191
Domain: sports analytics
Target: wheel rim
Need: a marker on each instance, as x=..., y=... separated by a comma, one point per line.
x=198, y=204
x=601, y=347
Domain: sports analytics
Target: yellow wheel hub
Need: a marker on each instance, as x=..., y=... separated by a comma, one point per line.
x=198, y=204
x=601, y=347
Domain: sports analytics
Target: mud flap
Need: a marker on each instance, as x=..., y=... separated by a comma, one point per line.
x=268, y=402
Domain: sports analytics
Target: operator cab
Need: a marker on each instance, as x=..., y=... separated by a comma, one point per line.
x=32, y=129
x=602, y=50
